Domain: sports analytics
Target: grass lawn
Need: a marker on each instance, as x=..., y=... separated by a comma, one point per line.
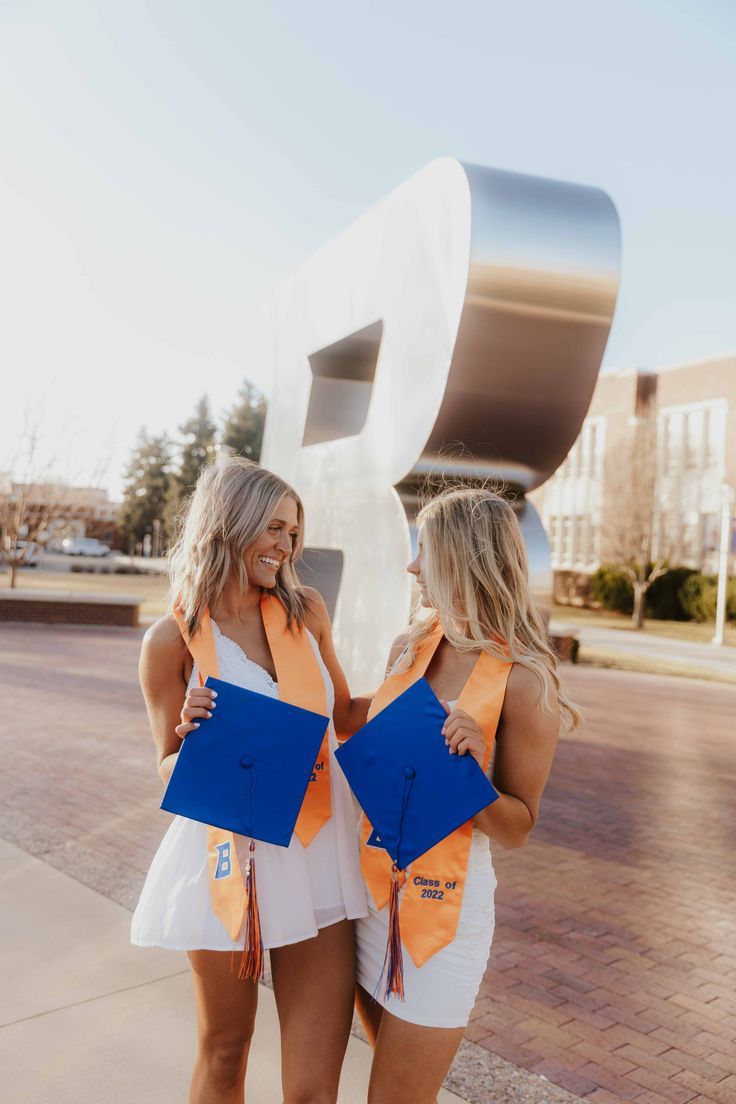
x=150, y=589
x=676, y=630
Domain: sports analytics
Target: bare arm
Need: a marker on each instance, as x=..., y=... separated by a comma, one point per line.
x=525, y=747
x=163, y=678
x=350, y=713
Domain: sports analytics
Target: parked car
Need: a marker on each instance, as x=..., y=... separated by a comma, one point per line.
x=84, y=546
x=31, y=555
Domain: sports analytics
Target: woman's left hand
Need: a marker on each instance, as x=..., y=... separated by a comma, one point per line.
x=463, y=735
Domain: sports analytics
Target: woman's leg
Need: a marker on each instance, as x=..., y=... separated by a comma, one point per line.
x=314, y=986
x=370, y=1012
x=226, y=1013
x=410, y=1062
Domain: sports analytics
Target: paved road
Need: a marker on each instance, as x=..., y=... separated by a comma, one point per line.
x=691, y=656
x=613, y=971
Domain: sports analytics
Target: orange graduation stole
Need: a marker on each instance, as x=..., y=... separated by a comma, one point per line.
x=300, y=683
x=430, y=923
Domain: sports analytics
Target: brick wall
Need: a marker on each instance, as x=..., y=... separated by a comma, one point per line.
x=69, y=613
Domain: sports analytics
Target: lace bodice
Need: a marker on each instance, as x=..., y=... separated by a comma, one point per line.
x=236, y=667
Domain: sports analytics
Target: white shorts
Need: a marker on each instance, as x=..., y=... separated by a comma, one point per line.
x=442, y=992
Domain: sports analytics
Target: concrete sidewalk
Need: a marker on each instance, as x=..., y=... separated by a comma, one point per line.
x=685, y=657
x=86, y=1017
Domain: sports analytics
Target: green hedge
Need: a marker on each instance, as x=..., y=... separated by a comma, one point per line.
x=699, y=595
x=664, y=597
x=612, y=589
x=680, y=594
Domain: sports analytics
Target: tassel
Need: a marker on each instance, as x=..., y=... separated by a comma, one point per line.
x=394, y=961
x=252, y=959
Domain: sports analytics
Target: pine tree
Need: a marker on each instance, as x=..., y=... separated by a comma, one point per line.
x=243, y=428
x=198, y=447
x=196, y=451
x=147, y=487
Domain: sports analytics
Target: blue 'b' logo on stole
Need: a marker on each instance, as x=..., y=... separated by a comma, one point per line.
x=224, y=864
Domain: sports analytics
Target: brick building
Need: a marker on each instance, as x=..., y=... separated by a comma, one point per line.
x=72, y=511
x=690, y=412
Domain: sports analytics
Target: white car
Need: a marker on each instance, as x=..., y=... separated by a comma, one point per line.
x=31, y=552
x=84, y=546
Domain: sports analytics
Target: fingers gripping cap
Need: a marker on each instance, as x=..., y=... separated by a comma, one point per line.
x=413, y=791
x=247, y=768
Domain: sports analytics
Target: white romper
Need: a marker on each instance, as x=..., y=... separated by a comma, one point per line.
x=300, y=889
x=442, y=992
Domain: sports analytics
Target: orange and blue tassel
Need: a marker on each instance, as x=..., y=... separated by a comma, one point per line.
x=252, y=960
x=394, y=960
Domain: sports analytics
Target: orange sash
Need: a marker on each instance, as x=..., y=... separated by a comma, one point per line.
x=300, y=683
x=429, y=922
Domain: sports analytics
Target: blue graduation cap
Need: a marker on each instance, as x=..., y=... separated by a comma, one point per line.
x=247, y=768
x=413, y=791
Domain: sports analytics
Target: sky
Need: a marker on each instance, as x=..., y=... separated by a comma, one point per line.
x=164, y=164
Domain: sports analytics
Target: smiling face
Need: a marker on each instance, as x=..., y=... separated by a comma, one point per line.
x=274, y=546
x=417, y=567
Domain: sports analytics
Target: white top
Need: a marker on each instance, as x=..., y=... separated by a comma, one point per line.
x=300, y=889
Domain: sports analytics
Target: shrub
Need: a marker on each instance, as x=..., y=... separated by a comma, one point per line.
x=663, y=597
x=699, y=597
x=613, y=589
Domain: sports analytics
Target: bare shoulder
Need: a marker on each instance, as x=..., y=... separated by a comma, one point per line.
x=524, y=694
x=163, y=640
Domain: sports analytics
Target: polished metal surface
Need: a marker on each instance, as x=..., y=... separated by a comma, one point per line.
x=457, y=327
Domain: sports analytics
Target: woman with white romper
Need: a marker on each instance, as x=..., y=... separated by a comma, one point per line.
x=442, y=992
x=482, y=647
x=241, y=536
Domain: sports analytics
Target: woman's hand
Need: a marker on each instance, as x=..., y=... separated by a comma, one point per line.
x=463, y=735
x=199, y=702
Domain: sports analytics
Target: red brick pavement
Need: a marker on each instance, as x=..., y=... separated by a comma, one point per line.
x=614, y=961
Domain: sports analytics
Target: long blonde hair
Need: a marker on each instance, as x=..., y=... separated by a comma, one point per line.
x=230, y=507
x=476, y=575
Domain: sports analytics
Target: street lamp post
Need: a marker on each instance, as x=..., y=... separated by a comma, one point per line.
x=727, y=495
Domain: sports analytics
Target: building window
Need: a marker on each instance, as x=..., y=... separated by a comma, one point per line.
x=714, y=433
x=693, y=440
x=672, y=445
x=691, y=462
x=554, y=537
x=572, y=504
x=567, y=531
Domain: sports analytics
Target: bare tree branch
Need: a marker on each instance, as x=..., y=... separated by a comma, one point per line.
x=37, y=502
x=634, y=540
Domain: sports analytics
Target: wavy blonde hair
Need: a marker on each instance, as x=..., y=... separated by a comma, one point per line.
x=476, y=574
x=230, y=507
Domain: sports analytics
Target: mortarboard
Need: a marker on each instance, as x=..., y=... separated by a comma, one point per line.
x=248, y=767
x=413, y=791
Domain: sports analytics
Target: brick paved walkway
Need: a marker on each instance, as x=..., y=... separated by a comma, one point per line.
x=614, y=964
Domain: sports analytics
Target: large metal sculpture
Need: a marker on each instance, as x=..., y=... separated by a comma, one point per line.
x=457, y=328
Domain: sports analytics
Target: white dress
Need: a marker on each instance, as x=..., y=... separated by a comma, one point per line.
x=300, y=889
x=442, y=992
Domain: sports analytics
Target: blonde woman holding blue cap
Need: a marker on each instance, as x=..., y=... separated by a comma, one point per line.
x=240, y=614
x=481, y=645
